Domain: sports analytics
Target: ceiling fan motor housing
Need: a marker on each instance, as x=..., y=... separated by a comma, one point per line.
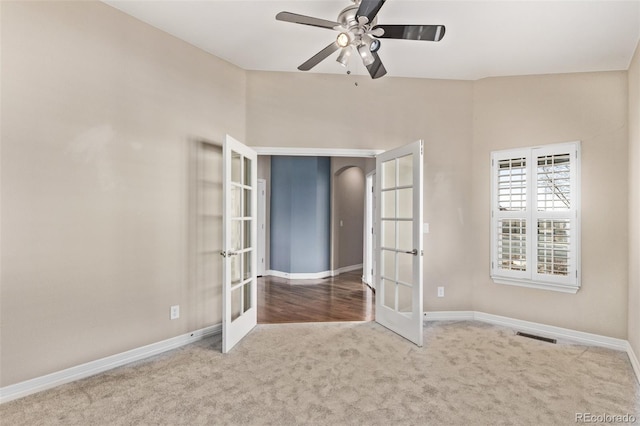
x=347, y=19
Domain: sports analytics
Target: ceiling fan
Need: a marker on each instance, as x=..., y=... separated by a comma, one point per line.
x=358, y=30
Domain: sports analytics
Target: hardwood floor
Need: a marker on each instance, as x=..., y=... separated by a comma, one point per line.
x=341, y=298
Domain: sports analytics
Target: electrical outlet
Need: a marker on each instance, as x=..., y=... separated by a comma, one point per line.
x=175, y=312
x=440, y=291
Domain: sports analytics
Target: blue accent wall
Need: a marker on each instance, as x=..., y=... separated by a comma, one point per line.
x=300, y=214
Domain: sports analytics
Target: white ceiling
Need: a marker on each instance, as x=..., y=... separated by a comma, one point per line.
x=483, y=38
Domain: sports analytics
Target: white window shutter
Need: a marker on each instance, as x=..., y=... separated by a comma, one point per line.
x=535, y=217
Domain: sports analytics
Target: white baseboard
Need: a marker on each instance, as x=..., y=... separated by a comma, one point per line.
x=557, y=332
x=532, y=327
x=312, y=275
x=28, y=387
x=347, y=269
x=540, y=329
x=449, y=316
x=299, y=275
x=634, y=361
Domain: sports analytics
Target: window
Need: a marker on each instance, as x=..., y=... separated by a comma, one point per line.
x=535, y=217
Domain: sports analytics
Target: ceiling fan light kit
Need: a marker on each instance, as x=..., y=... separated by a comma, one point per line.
x=343, y=57
x=374, y=45
x=366, y=54
x=343, y=40
x=358, y=29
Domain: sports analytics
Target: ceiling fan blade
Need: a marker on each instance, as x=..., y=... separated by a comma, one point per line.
x=369, y=8
x=319, y=57
x=411, y=32
x=376, y=69
x=307, y=20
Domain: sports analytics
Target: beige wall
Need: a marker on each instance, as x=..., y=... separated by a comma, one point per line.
x=634, y=202
x=311, y=110
x=527, y=111
x=98, y=114
x=347, y=205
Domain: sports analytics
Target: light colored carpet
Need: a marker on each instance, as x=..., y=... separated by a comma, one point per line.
x=350, y=373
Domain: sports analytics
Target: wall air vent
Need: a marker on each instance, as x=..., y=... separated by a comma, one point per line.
x=533, y=336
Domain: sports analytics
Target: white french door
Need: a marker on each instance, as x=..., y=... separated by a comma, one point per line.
x=398, y=249
x=239, y=234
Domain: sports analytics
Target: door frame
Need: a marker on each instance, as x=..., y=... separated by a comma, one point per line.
x=368, y=259
x=317, y=152
x=262, y=230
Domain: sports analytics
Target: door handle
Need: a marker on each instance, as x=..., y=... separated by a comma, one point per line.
x=228, y=254
x=413, y=252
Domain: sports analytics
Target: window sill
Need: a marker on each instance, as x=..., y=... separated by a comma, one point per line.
x=562, y=288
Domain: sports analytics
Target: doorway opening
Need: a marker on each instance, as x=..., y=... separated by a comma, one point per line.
x=334, y=291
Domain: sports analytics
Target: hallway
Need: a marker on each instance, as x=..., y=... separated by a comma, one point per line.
x=341, y=298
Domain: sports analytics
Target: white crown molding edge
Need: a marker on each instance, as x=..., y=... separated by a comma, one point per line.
x=38, y=384
x=541, y=329
x=317, y=152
